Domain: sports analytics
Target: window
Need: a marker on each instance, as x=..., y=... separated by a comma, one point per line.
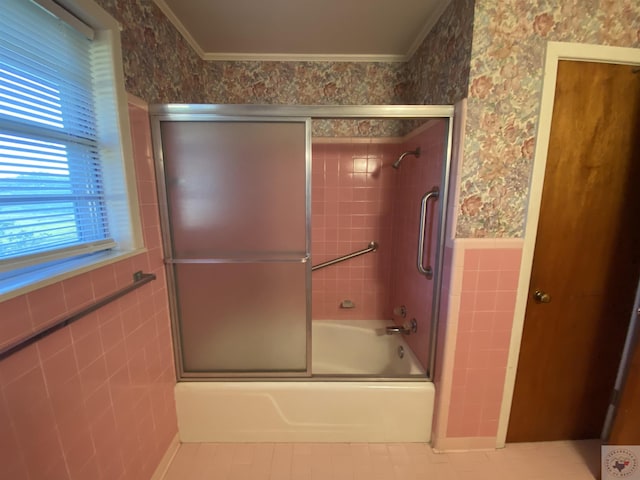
x=64, y=192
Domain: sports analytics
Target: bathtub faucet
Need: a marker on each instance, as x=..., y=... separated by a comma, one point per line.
x=393, y=329
x=406, y=329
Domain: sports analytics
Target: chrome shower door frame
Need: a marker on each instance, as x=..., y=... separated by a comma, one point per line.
x=306, y=113
x=160, y=114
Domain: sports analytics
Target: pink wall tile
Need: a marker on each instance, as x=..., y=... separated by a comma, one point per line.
x=58, y=341
x=416, y=176
x=15, y=321
x=60, y=367
x=103, y=281
x=18, y=364
x=487, y=304
x=351, y=184
x=357, y=197
x=46, y=304
x=88, y=348
x=77, y=291
x=93, y=400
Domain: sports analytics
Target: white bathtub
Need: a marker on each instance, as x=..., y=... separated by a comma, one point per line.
x=360, y=347
x=318, y=410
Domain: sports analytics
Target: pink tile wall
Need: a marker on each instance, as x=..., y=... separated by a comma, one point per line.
x=352, y=190
x=415, y=177
x=487, y=303
x=95, y=399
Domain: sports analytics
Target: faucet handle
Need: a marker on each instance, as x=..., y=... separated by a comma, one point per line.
x=412, y=326
x=400, y=311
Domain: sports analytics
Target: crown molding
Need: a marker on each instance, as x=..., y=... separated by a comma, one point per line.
x=180, y=27
x=294, y=57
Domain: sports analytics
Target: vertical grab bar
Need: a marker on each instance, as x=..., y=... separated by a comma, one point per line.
x=426, y=271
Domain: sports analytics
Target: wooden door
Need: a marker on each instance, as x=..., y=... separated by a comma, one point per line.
x=586, y=259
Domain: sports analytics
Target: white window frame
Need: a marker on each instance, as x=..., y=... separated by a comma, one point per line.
x=121, y=194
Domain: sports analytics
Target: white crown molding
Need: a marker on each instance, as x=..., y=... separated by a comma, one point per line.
x=295, y=57
x=180, y=27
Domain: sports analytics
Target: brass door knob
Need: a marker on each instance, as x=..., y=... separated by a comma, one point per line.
x=541, y=297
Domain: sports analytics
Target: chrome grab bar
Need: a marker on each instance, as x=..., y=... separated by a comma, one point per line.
x=139, y=279
x=373, y=246
x=426, y=271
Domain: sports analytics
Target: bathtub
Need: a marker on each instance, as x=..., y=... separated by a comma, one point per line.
x=330, y=406
x=357, y=347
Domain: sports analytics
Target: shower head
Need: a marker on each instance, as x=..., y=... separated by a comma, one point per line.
x=415, y=153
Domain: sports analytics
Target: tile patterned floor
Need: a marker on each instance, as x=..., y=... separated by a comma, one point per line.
x=399, y=461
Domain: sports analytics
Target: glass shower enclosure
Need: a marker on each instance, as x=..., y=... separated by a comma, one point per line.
x=234, y=185
x=236, y=238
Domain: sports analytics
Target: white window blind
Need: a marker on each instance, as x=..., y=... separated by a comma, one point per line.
x=52, y=194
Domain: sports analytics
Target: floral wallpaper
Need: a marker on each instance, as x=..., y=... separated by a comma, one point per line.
x=507, y=59
x=161, y=67
x=438, y=73
x=491, y=51
x=363, y=128
x=313, y=83
x=306, y=83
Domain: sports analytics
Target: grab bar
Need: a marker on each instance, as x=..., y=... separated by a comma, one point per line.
x=426, y=271
x=373, y=246
x=139, y=279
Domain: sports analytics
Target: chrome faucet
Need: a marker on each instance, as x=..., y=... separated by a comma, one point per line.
x=406, y=329
x=393, y=329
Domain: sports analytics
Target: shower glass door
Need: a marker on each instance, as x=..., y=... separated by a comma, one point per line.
x=236, y=227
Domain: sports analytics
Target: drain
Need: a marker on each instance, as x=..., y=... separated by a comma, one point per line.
x=401, y=351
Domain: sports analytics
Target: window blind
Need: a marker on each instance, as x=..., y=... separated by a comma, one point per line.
x=52, y=199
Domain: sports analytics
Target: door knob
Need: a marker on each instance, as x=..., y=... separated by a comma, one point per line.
x=541, y=297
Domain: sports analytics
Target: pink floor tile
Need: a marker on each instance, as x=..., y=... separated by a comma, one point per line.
x=578, y=460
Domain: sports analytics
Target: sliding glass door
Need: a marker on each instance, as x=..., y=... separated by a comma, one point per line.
x=236, y=225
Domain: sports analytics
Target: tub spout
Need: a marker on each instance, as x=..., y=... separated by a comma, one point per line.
x=395, y=329
x=406, y=329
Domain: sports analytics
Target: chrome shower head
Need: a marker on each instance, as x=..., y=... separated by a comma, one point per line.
x=415, y=153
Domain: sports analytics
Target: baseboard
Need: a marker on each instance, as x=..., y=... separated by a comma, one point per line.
x=163, y=466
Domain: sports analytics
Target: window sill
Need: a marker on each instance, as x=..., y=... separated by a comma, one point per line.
x=33, y=280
